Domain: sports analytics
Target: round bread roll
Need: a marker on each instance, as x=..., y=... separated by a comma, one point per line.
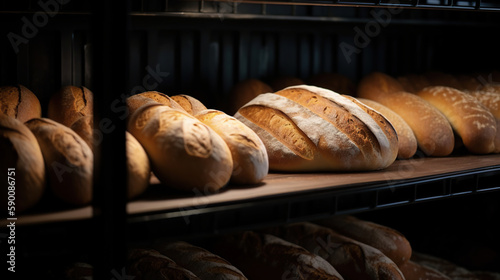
x=245, y=91
x=413, y=83
x=491, y=100
x=68, y=159
x=473, y=122
x=21, y=151
x=190, y=104
x=84, y=127
x=134, y=102
x=69, y=104
x=407, y=142
x=280, y=83
x=334, y=82
x=431, y=128
x=250, y=161
x=185, y=153
x=307, y=128
x=138, y=167
x=20, y=103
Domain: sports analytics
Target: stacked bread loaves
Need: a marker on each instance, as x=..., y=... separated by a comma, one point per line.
x=307, y=128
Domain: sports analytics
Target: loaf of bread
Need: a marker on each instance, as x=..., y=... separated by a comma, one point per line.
x=20, y=103
x=282, y=82
x=184, y=153
x=84, y=127
x=204, y=264
x=20, y=151
x=491, y=100
x=267, y=257
x=306, y=128
x=413, y=83
x=351, y=258
x=69, y=104
x=431, y=128
x=474, y=123
x=245, y=91
x=190, y=104
x=68, y=159
x=143, y=264
x=390, y=242
x=250, y=161
x=407, y=142
x=334, y=82
x=134, y=102
x=414, y=271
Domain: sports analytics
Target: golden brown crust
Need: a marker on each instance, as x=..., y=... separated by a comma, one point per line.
x=69, y=104
x=138, y=167
x=84, y=127
x=68, y=158
x=192, y=105
x=245, y=91
x=20, y=103
x=334, y=82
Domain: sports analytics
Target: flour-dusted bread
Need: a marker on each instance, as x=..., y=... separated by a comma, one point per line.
x=204, y=264
x=69, y=104
x=431, y=128
x=20, y=103
x=267, y=257
x=136, y=101
x=250, y=160
x=192, y=105
x=20, y=150
x=185, y=153
x=490, y=100
x=307, y=128
x=68, y=159
x=473, y=122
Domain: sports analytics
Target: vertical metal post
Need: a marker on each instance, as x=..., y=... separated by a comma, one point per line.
x=110, y=68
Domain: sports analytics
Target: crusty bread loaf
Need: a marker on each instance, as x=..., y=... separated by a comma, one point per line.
x=244, y=91
x=413, y=83
x=204, y=264
x=250, y=161
x=68, y=159
x=267, y=257
x=138, y=167
x=21, y=151
x=390, y=242
x=414, y=271
x=69, y=104
x=306, y=128
x=491, y=100
x=279, y=83
x=351, y=258
x=20, y=103
x=184, y=152
x=407, y=142
x=144, y=264
x=134, y=102
x=334, y=82
x=474, y=123
x=431, y=128
x=84, y=127
x=190, y=104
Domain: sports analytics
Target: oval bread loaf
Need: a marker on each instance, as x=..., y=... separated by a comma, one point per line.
x=190, y=104
x=144, y=264
x=184, y=153
x=68, y=159
x=491, y=100
x=267, y=257
x=69, y=104
x=250, y=161
x=20, y=103
x=20, y=150
x=352, y=259
x=204, y=264
x=469, y=118
x=306, y=128
x=431, y=128
x=136, y=101
x=390, y=242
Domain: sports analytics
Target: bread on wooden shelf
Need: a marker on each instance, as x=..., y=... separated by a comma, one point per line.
x=69, y=104
x=20, y=103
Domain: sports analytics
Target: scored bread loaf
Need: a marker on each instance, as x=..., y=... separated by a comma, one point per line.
x=491, y=100
x=431, y=128
x=267, y=257
x=407, y=142
x=20, y=150
x=204, y=264
x=334, y=82
x=185, y=153
x=20, y=103
x=69, y=104
x=190, y=104
x=414, y=271
x=68, y=159
x=250, y=161
x=245, y=91
x=351, y=258
x=136, y=101
x=306, y=128
x=390, y=242
x=145, y=264
x=474, y=123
